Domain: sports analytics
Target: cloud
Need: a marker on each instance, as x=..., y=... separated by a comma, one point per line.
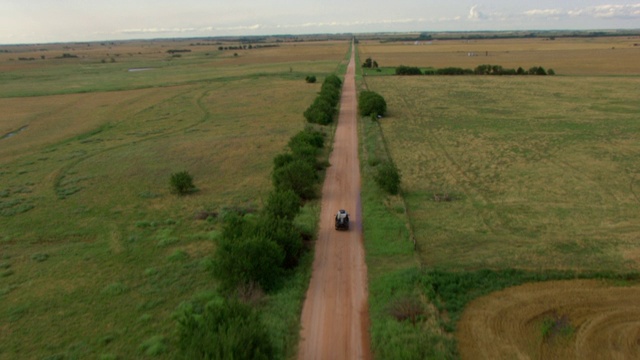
x=156, y=30
x=630, y=11
x=475, y=14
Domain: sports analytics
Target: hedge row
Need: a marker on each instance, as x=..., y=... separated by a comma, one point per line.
x=323, y=108
x=254, y=254
x=479, y=70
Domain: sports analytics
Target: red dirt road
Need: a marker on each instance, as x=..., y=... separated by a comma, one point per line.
x=335, y=318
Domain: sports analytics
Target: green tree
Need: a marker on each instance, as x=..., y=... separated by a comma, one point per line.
x=246, y=260
x=223, y=329
x=282, y=231
x=282, y=204
x=371, y=103
x=182, y=183
x=299, y=176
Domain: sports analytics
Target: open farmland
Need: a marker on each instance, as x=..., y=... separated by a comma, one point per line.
x=531, y=173
x=567, y=56
x=95, y=252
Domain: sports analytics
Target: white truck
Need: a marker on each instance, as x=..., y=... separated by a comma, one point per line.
x=342, y=220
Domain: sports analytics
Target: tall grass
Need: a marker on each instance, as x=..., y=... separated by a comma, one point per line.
x=105, y=251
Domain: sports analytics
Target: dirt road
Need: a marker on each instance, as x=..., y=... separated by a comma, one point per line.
x=335, y=319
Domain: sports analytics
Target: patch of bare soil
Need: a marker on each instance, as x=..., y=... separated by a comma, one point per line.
x=335, y=319
x=581, y=319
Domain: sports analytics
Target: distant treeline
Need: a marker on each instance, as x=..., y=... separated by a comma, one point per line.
x=479, y=70
x=174, y=51
x=462, y=35
x=245, y=47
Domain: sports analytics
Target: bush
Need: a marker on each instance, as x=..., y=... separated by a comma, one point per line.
x=310, y=79
x=408, y=70
x=320, y=111
x=253, y=259
x=307, y=137
x=225, y=329
x=299, y=176
x=282, y=204
x=388, y=177
x=182, y=183
x=371, y=103
x=282, y=232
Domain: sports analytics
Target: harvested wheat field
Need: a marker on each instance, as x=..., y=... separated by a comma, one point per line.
x=584, y=319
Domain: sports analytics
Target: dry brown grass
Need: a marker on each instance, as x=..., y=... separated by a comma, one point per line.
x=567, y=56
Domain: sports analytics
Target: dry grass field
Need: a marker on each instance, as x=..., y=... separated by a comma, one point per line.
x=567, y=56
x=530, y=173
x=96, y=253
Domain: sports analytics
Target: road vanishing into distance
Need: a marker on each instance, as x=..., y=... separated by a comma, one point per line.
x=335, y=317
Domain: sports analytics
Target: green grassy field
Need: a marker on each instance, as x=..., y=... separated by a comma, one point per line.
x=504, y=180
x=541, y=172
x=96, y=253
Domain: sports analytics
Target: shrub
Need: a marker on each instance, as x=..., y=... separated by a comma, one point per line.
x=388, y=177
x=320, y=111
x=299, y=176
x=310, y=79
x=282, y=204
x=307, y=136
x=225, y=329
x=371, y=103
x=182, y=183
x=282, y=232
x=408, y=70
x=241, y=261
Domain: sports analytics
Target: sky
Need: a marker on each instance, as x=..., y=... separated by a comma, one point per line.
x=46, y=21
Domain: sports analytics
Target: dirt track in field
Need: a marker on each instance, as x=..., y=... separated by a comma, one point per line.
x=335, y=319
x=585, y=319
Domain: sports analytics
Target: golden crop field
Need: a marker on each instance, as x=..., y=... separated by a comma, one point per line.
x=96, y=253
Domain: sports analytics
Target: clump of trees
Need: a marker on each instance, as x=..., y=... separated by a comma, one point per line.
x=323, y=108
x=371, y=103
x=408, y=70
x=175, y=51
x=487, y=69
x=261, y=249
x=370, y=64
x=222, y=329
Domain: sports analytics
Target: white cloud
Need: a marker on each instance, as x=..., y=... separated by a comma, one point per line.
x=475, y=14
x=545, y=12
x=609, y=11
x=629, y=11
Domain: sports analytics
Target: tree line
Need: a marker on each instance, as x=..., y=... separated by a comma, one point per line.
x=256, y=253
x=479, y=70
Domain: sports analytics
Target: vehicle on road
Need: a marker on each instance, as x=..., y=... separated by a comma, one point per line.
x=342, y=220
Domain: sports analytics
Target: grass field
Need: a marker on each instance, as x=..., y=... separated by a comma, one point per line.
x=95, y=252
x=505, y=180
x=539, y=170
x=566, y=56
